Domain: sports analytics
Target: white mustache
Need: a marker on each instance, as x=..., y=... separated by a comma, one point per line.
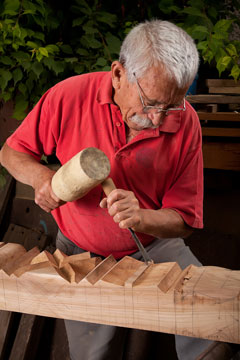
x=144, y=122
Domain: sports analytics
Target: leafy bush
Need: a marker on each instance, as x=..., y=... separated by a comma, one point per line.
x=30, y=63
x=42, y=43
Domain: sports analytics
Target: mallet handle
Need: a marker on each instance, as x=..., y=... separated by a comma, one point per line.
x=108, y=186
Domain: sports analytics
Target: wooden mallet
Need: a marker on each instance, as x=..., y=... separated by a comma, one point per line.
x=87, y=169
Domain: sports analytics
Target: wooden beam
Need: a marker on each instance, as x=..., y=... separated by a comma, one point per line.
x=27, y=339
x=224, y=132
x=224, y=90
x=221, y=155
x=198, y=301
x=213, y=99
x=222, y=82
x=219, y=116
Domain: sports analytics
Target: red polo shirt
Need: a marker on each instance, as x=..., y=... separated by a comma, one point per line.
x=162, y=166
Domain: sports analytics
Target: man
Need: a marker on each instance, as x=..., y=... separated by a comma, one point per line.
x=138, y=116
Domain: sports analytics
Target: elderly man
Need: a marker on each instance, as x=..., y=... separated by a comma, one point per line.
x=138, y=116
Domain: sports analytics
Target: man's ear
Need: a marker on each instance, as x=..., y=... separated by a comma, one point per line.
x=118, y=73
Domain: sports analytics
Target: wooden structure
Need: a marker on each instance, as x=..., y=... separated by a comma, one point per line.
x=198, y=301
x=219, y=114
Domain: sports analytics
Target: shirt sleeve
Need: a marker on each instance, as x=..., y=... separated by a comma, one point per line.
x=185, y=194
x=37, y=134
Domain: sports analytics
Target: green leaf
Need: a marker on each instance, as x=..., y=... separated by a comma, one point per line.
x=231, y=49
x=11, y=5
x=200, y=32
x=17, y=75
x=225, y=60
x=52, y=48
x=106, y=18
x=196, y=3
x=37, y=68
x=6, y=60
x=113, y=43
x=43, y=51
x=26, y=65
x=9, y=12
x=193, y=11
x=20, y=109
x=32, y=45
x=21, y=55
x=222, y=25
x=71, y=60
x=82, y=52
x=5, y=77
x=58, y=67
x=78, y=22
x=49, y=62
x=235, y=73
x=66, y=49
x=212, y=12
x=79, y=69
x=101, y=62
x=25, y=12
x=22, y=88
x=38, y=35
x=93, y=43
x=89, y=29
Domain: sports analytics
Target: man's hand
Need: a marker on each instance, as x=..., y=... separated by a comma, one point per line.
x=44, y=195
x=124, y=207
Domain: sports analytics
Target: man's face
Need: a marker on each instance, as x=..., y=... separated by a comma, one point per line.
x=156, y=89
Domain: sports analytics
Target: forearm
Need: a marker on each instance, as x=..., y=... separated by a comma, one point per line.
x=163, y=223
x=23, y=167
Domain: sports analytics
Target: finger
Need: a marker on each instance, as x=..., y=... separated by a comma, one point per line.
x=127, y=218
x=103, y=203
x=116, y=195
x=122, y=205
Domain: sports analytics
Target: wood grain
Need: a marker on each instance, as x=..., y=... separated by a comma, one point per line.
x=198, y=301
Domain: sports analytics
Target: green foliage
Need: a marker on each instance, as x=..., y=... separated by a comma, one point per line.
x=34, y=56
x=207, y=23
x=41, y=45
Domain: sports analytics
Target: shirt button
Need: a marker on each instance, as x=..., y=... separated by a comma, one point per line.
x=118, y=124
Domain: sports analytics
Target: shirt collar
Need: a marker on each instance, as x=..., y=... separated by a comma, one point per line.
x=105, y=91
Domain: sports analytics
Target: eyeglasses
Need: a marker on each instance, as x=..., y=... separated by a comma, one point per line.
x=148, y=108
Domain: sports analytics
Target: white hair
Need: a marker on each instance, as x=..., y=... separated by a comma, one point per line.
x=158, y=42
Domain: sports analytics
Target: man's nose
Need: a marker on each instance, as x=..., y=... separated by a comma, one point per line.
x=156, y=118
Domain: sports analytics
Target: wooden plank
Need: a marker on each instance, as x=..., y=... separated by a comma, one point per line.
x=224, y=90
x=5, y=194
x=219, y=116
x=26, y=342
x=213, y=99
x=222, y=82
x=224, y=156
x=6, y=329
x=224, y=132
x=198, y=301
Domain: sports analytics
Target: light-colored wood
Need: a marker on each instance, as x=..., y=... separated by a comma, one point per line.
x=10, y=253
x=80, y=174
x=198, y=301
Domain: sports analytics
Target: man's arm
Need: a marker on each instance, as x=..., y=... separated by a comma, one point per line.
x=24, y=168
x=163, y=223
